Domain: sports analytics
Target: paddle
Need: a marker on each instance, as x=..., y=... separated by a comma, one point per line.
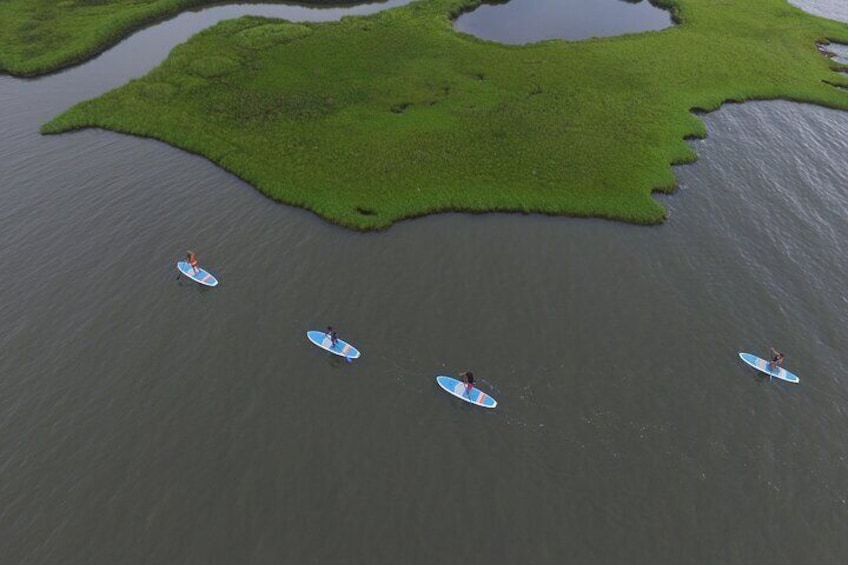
x=347, y=355
x=179, y=274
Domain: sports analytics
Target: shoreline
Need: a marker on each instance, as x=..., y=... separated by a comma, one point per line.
x=58, y=60
x=309, y=113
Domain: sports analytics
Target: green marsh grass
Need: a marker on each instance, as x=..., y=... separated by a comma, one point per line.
x=42, y=36
x=373, y=119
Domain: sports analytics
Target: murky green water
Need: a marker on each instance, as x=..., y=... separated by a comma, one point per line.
x=143, y=420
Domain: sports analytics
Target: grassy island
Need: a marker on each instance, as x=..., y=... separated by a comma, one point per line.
x=373, y=119
x=42, y=36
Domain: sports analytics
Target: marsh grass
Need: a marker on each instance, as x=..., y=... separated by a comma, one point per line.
x=373, y=119
x=42, y=36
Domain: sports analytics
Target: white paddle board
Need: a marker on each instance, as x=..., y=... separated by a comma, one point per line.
x=763, y=365
x=341, y=347
x=199, y=276
x=458, y=389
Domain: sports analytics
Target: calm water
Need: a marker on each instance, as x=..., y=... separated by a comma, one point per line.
x=526, y=21
x=143, y=420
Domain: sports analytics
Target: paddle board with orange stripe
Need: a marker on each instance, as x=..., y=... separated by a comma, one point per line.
x=341, y=348
x=200, y=276
x=457, y=389
x=763, y=365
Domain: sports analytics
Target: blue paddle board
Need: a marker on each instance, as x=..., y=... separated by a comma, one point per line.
x=203, y=277
x=457, y=388
x=341, y=348
x=762, y=365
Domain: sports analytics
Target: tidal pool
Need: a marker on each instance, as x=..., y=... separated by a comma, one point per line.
x=528, y=21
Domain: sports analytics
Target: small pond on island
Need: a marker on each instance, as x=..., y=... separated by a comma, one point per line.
x=528, y=21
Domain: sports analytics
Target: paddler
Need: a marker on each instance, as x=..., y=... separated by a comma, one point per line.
x=468, y=378
x=331, y=333
x=191, y=259
x=776, y=359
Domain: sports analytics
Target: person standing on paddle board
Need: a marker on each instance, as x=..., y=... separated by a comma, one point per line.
x=776, y=359
x=331, y=333
x=191, y=259
x=468, y=378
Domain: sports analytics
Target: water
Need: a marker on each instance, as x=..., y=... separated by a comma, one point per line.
x=144, y=420
x=527, y=21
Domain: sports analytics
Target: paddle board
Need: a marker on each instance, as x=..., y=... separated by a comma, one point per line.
x=457, y=388
x=762, y=365
x=342, y=348
x=203, y=277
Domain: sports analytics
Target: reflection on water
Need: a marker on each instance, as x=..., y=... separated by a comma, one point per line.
x=527, y=21
x=839, y=52
x=832, y=9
